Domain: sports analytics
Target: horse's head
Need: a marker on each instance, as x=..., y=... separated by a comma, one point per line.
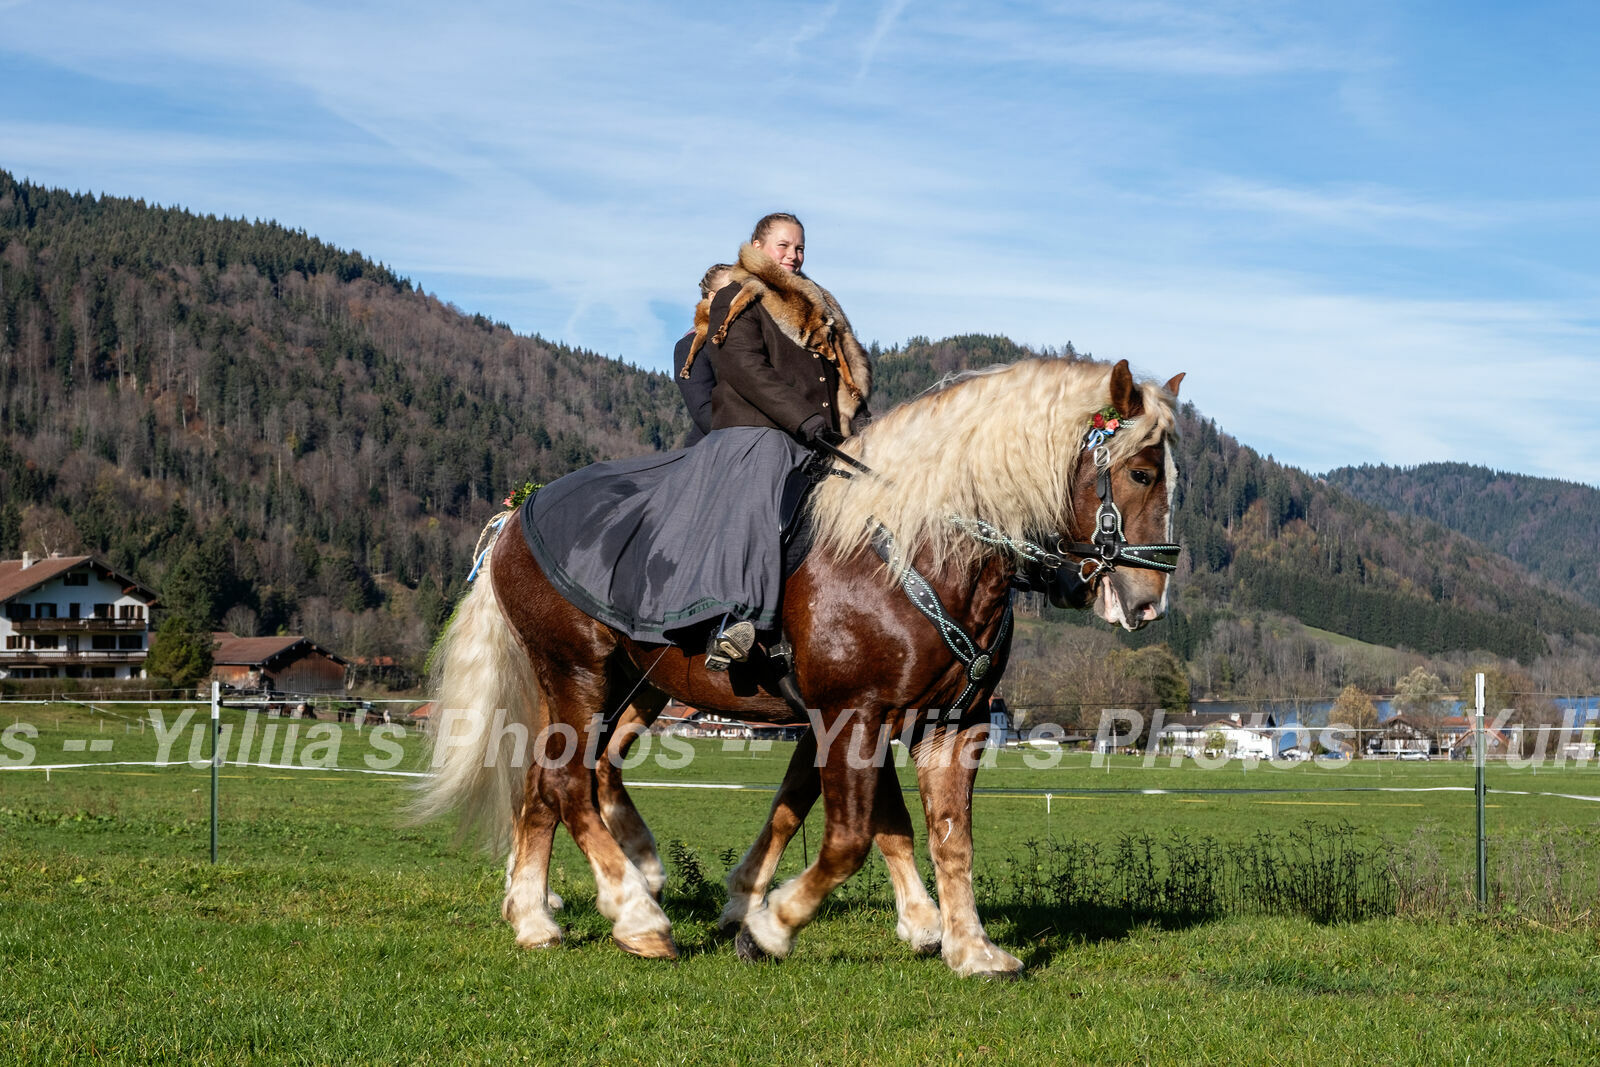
x=1003, y=461
x=1122, y=494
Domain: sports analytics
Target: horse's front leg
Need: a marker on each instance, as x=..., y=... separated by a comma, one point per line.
x=947, y=762
x=849, y=778
x=747, y=883
x=917, y=916
x=917, y=922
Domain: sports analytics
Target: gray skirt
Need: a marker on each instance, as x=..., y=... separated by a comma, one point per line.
x=671, y=540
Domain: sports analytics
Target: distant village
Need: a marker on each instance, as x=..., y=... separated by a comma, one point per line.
x=74, y=619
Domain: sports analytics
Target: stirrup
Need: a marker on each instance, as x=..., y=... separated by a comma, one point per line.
x=736, y=641
x=732, y=645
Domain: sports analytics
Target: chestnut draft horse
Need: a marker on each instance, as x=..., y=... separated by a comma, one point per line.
x=900, y=623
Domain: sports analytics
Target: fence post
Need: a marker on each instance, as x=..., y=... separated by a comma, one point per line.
x=1478, y=790
x=216, y=732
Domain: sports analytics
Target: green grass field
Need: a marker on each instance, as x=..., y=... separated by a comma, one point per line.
x=331, y=931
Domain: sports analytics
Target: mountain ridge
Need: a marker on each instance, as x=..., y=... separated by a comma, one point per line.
x=299, y=437
x=1549, y=525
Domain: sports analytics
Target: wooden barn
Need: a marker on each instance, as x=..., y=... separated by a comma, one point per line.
x=286, y=664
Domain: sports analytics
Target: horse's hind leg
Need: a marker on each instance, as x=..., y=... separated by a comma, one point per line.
x=616, y=806
x=529, y=902
x=947, y=763
x=571, y=655
x=638, y=924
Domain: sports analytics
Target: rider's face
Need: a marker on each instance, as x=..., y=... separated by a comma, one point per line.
x=786, y=244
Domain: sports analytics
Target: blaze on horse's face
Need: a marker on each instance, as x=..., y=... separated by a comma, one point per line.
x=1142, y=489
x=1131, y=597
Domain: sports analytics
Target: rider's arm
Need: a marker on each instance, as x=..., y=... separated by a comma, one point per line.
x=696, y=388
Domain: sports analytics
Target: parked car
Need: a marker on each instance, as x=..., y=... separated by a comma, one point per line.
x=1413, y=753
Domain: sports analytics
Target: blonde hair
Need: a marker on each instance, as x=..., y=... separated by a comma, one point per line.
x=1000, y=444
x=767, y=222
x=710, y=276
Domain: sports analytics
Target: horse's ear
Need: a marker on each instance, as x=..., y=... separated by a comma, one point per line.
x=1124, y=397
x=1177, y=380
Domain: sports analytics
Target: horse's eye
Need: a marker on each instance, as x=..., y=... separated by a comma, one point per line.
x=1141, y=477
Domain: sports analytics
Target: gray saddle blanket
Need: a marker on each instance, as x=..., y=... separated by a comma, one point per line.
x=669, y=541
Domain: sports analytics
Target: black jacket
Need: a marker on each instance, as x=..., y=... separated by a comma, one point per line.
x=696, y=389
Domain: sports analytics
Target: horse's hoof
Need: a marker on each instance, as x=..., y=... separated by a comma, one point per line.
x=998, y=976
x=540, y=941
x=649, y=946
x=747, y=949
x=927, y=948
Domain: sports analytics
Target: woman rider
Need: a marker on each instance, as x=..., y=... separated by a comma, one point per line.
x=629, y=542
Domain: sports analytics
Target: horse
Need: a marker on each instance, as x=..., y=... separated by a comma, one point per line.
x=899, y=620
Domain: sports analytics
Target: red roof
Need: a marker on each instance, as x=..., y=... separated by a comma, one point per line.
x=14, y=580
x=1463, y=725
x=256, y=651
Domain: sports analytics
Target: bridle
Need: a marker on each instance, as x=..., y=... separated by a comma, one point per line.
x=1075, y=565
x=1110, y=546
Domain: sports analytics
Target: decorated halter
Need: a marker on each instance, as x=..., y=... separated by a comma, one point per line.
x=1110, y=546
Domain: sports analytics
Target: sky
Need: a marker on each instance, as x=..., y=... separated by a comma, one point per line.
x=1365, y=230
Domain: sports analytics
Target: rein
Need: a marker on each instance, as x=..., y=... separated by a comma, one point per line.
x=1108, y=547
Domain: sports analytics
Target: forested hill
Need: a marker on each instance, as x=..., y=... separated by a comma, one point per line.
x=277, y=433
x=1260, y=535
x=213, y=404
x=1550, y=527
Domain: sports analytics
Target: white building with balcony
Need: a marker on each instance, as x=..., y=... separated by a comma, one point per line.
x=71, y=617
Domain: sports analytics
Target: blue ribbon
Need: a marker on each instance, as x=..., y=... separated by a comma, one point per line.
x=477, y=563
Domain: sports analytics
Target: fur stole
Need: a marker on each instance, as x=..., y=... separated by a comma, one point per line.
x=805, y=313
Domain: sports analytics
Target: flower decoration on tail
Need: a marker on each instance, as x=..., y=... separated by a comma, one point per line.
x=520, y=494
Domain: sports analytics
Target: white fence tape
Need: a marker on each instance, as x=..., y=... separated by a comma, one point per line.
x=738, y=786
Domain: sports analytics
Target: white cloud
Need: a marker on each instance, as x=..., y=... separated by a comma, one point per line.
x=886, y=17
x=1361, y=206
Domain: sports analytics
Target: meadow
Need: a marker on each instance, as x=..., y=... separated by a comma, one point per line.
x=1167, y=915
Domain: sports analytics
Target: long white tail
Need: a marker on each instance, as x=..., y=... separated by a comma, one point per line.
x=486, y=716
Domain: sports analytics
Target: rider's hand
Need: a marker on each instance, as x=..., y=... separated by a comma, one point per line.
x=816, y=429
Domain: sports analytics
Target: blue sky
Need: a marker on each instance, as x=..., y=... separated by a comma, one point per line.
x=1367, y=231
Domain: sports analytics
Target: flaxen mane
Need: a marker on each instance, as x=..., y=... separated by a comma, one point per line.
x=999, y=445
